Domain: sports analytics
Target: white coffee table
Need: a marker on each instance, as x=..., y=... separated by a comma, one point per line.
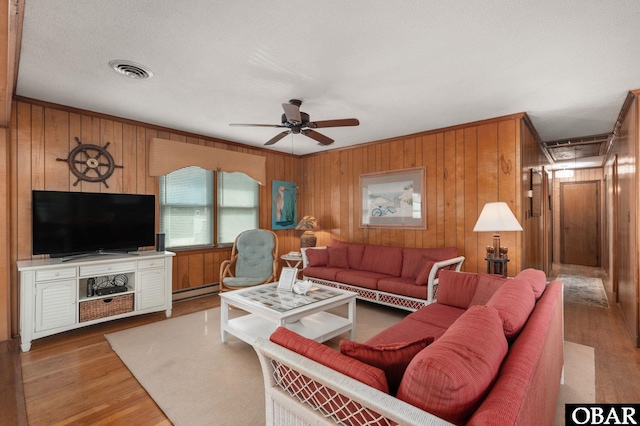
x=269, y=308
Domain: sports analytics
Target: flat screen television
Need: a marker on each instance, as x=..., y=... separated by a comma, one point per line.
x=72, y=223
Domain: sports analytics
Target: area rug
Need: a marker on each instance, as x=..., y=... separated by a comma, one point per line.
x=579, y=385
x=585, y=290
x=198, y=380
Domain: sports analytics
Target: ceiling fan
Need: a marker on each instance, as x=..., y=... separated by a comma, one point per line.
x=296, y=121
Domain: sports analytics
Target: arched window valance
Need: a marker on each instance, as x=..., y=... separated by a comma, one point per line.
x=166, y=156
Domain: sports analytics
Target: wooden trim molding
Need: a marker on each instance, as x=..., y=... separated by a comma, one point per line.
x=166, y=156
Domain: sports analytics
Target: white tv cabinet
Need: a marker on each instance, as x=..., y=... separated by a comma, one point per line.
x=53, y=291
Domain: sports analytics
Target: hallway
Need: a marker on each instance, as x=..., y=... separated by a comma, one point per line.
x=617, y=361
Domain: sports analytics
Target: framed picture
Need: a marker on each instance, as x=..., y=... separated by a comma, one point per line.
x=393, y=199
x=283, y=211
x=287, y=279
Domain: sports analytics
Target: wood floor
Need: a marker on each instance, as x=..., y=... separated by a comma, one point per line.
x=75, y=377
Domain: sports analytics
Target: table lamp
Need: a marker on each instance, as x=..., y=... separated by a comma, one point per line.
x=496, y=217
x=309, y=224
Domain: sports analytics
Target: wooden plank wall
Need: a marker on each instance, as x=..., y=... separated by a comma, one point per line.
x=466, y=167
x=42, y=132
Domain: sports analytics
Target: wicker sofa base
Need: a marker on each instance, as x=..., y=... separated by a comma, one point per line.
x=377, y=296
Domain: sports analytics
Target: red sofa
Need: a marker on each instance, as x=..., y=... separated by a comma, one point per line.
x=405, y=278
x=496, y=358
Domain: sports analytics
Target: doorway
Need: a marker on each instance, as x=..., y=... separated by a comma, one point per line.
x=580, y=223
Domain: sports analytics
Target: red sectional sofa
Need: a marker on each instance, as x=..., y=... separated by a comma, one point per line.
x=405, y=278
x=488, y=352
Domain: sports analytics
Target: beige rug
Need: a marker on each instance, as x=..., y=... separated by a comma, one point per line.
x=198, y=380
x=584, y=290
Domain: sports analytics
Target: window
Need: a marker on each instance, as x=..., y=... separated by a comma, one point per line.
x=187, y=207
x=237, y=205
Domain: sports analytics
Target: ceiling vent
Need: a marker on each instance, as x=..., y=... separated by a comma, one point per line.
x=131, y=69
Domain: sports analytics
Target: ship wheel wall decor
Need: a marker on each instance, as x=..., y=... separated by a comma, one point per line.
x=92, y=163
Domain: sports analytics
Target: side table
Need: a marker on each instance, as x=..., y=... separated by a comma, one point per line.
x=294, y=260
x=497, y=265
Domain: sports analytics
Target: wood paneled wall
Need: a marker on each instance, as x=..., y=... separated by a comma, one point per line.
x=466, y=167
x=41, y=132
x=624, y=156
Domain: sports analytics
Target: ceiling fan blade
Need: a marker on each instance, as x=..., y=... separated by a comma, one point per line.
x=277, y=137
x=292, y=112
x=324, y=140
x=334, y=123
x=256, y=125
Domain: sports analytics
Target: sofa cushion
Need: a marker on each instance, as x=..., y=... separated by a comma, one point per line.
x=322, y=272
x=331, y=358
x=317, y=257
x=437, y=314
x=406, y=330
x=487, y=286
x=536, y=279
x=514, y=301
x=456, y=288
x=423, y=270
x=354, y=252
x=337, y=257
x=391, y=358
x=451, y=376
x=363, y=279
x=411, y=257
x=382, y=259
x=403, y=287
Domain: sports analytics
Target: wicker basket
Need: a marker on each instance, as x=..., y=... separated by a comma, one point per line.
x=109, y=306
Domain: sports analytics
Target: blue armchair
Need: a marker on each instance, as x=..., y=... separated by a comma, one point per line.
x=254, y=260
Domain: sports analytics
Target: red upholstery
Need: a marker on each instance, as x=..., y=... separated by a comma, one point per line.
x=437, y=314
x=324, y=355
x=406, y=330
x=423, y=270
x=382, y=259
x=535, y=278
x=526, y=391
x=412, y=257
x=317, y=257
x=403, y=286
x=487, y=286
x=450, y=377
x=322, y=272
x=354, y=252
x=514, y=301
x=337, y=257
x=457, y=288
x=391, y=358
x=364, y=279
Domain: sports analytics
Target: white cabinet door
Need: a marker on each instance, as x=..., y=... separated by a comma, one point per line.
x=56, y=304
x=151, y=288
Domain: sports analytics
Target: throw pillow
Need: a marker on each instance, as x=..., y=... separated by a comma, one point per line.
x=487, y=286
x=331, y=358
x=391, y=358
x=451, y=376
x=317, y=257
x=514, y=301
x=456, y=288
x=337, y=257
x=423, y=269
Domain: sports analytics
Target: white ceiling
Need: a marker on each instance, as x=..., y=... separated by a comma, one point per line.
x=399, y=67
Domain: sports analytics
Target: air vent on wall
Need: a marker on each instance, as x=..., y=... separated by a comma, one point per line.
x=131, y=69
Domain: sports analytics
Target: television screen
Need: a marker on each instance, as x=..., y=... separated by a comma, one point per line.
x=67, y=223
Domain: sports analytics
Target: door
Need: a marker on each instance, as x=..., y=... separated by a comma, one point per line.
x=580, y=223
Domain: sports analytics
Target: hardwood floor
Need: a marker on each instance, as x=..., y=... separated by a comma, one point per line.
x=75, y=377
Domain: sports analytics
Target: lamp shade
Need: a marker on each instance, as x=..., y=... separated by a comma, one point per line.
x=308, y=223
x=496, y=217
